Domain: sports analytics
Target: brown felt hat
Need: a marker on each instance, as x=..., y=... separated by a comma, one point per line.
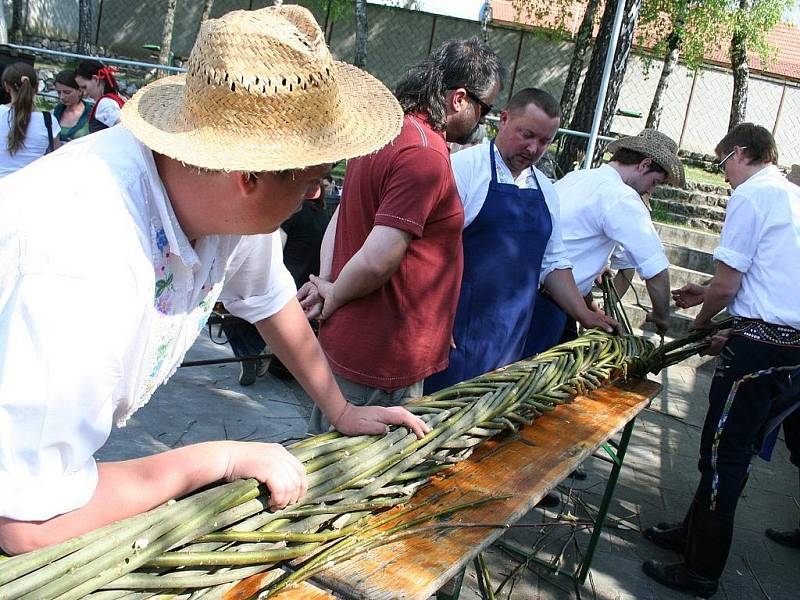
x=660, y=148
x=262, y=93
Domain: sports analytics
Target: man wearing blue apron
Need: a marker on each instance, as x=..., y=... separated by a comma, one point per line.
x=512, y=242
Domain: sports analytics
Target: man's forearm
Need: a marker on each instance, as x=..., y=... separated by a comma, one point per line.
x=326, y=249
x=659, y=292
x=560, y=284
x=290, y=336
x=123, y=489
x=716, y=300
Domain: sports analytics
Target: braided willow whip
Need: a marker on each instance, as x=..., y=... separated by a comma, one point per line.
x=201, y=545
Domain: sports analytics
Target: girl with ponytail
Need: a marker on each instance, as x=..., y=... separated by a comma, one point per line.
x=28, y=133
x=97, y=82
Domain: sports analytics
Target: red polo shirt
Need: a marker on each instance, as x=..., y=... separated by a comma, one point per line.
x=400, y=333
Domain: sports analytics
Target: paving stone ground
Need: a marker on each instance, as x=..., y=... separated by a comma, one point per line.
x=657, y=482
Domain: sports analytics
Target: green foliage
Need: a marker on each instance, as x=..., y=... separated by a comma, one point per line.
x=756, y=18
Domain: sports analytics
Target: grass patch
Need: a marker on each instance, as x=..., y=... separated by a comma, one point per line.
x=699, y=175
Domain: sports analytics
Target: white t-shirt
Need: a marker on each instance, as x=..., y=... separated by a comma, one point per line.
x=472, y=171
x=599, y=211
x=761, y=238
x=107, y=112
x=34, y=146
x=101, y=295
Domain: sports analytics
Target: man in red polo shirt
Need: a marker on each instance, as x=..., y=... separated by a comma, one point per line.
x=388, y=291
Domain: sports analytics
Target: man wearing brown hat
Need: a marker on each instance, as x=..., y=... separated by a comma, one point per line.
x=186, y=197
x=602, y=209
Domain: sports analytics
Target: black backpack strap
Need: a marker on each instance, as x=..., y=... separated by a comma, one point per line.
x=48, y=123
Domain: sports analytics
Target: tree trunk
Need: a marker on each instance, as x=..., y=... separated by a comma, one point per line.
x=85, y=27
x=165, y=53
x=582, y=41
x=18, y=9
x=674, y=43
x=361, y=34
x=582, y=120
x=741, y=72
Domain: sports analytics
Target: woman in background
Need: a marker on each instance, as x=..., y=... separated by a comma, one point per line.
x=71, y=112
x=97, y=82
x=28, y=133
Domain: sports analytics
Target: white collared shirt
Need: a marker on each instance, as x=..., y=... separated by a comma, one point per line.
x=101, y=295
x=761, y=238
x=472, y=171
x=599, y=211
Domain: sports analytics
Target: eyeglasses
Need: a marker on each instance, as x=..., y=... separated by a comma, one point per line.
x=485, y=108
x=720, y=163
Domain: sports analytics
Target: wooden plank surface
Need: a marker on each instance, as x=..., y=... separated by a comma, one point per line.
x=249, y=588
x=525, y=466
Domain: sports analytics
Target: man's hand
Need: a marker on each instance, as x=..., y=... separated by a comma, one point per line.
x=718, y=341
x=310, y=300
x=271, y=464
x=661, y=322
x=325, y=291
x=599, y=320
x=372, y=420
x=689, y=295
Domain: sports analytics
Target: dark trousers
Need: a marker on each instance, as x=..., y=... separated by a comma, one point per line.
x=243, y=336
x=737, y=414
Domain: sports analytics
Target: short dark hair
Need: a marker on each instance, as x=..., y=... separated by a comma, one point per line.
x=67, y=78
x=626, y=156
x=758, y=143
x=536, y=96
x=469, y=64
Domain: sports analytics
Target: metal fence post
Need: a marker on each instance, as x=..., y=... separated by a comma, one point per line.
x=780, y=110
x=516, y=64
x=433, y=33
x=688, y=108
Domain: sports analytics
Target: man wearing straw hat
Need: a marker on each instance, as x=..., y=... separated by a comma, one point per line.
x=602, y=209
x=390, y=284
x=185, y=198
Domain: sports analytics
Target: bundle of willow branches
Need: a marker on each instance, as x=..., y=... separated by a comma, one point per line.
x=200, y=546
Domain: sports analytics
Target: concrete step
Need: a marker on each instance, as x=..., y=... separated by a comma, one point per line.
x=689, y=238
x=637, y=294
x=689, y=258
x=696, y=197
x=678, y=323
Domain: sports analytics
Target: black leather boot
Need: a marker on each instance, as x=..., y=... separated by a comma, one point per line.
x=671, y=536
x=790, y=539
x=707, y=546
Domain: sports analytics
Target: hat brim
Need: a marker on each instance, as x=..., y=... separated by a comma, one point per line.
x=666, y=160
x=369, y=118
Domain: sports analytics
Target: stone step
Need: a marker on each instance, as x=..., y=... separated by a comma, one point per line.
x=702, y=211
x=690, y=238
x=698, y=198
x=689, y=258
x=704, y=225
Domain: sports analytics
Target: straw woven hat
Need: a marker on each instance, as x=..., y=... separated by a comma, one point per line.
x=262, y=93
x=661, y=148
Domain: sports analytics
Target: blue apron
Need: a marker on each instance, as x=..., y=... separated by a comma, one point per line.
x=503, y=250
x=547, y=326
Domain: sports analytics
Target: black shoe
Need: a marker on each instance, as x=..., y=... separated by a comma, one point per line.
x=673, y=538
x=678, y=577
x=248, y=369
x=790, y=539
x=551, y=500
